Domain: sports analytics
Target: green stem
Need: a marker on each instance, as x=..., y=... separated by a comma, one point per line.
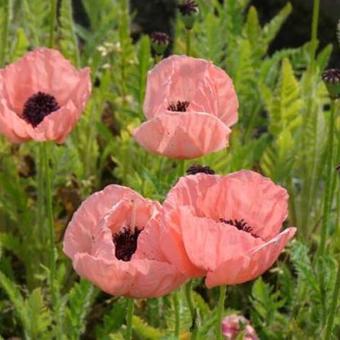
x=177, y=314
x=5, y=29
x=333, y=307
x=130, y=310
x=314, y=31
x=188, y=295
x=53, y=18
x=328, y=199
x=48, y=204
x=188, y=42
x=220, y=311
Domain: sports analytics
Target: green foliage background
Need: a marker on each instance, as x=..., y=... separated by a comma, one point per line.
x=282, y=132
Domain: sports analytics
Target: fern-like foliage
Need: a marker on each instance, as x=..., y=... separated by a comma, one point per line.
x=284, y=110
x=67, y=34
x=79, y=300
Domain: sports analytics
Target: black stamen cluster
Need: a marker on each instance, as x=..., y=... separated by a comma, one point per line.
x=179, y=106
x=240, y=225
x=188, y=7
x=125, y=243
x=38, y=106
x=197, y=168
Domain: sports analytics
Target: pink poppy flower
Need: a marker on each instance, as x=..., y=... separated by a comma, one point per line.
x=226, y=228
x=113, y=241
x=235, y=325
x=41, y=97
x=190, y=105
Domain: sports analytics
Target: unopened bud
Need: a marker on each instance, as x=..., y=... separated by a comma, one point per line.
x=189, y=11
x=160, y=42
x=331, y=78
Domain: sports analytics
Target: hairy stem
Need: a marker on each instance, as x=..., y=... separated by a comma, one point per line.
x=220, y=311
x=188, y=42
x=328, y=199
x=177, y=314
x=129, y=315
x=4, y=31
x=188, y=295
x=53, y=19
x=333, y=306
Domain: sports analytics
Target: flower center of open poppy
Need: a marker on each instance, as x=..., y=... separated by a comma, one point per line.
x=38, y=106
x=179, y=106
x=240, y=225
x=125, y=243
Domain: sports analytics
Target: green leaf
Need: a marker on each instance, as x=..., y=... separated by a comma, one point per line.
x=79, y=300
x=68, y=39
x=16, y=299
x=40, y=316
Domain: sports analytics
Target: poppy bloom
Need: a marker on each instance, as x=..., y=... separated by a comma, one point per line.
x=226, y=228
x=41, y=97
x=235, y=325
x=113, y=241
x=189, y=105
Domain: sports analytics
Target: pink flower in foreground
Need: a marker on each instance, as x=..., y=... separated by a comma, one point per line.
x=113, y=241
x=234, y=325
x=226, y=228
x=190, y=105
x=41, y=97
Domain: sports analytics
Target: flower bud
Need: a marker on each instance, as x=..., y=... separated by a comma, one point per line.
x=331, y=78
x=188, y=11
x=235, y=325
x=159, y=42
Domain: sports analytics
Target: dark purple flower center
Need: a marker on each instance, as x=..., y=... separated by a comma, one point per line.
x=188, y=7
x=240, y=225
x=38, y=106
x=125, y=243
x=179, y=106
x=197, y=168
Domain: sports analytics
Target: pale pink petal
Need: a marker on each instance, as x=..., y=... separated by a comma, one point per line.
x=190, y=191
x=183, y=135
x=113, y=277
x=249, y=196
x=84, y=225
x=44, y=70
x=245, y=267
x=148, y=245
x=137, y=279
x=182, y=78
x=172, y=246
x=209, y=243
x=154, y=279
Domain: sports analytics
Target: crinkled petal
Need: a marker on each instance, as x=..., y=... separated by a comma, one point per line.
x=113, y=277
x=138, y=279
x=249, y=196
x=81, y=231
x=209, y=243
x=172, y=245
x=207, y=87
x=48, y=71
x=247, y=266
x=183, y=135
x=190, y=191
x=44, y=70
x=155, y=279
